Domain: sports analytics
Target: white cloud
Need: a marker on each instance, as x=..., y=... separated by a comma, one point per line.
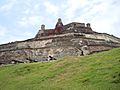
x=8, y=6
x=30, y=21
x=105, y=16
x=102, y=14
x=72, y=6
x=51, y=8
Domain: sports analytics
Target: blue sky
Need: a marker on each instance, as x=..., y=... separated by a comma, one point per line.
x=21, y=19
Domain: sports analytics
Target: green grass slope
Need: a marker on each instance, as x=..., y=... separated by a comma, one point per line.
x=99, y=71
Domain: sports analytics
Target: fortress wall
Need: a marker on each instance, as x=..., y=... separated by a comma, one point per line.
x=49, y=42
x=74, y=40
x=40, y=50
x=99, y=48
x=112, y=38
x=34, y=44
x=25, y=44
x=8, y=46
x=8, y=56
x=56, y=46
x=102, y=42
x=37, y=54
x=104, y=37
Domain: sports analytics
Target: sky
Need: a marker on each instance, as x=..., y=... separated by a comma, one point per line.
x=21, y=19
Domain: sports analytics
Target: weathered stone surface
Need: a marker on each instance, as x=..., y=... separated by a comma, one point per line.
x=74, y=40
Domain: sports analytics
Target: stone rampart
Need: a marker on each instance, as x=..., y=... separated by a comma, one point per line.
x=75, y=39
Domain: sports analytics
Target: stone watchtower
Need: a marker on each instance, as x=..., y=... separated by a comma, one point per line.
x=41, y=31
x=88, y=25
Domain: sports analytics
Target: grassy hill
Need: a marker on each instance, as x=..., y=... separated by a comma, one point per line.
x=99, y=71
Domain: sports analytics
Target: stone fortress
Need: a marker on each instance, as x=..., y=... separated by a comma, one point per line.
x=73, y=39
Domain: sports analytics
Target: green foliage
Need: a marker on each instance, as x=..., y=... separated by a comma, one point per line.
x=100, y=71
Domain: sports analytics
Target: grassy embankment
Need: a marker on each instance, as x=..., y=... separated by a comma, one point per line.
x=99, y=71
